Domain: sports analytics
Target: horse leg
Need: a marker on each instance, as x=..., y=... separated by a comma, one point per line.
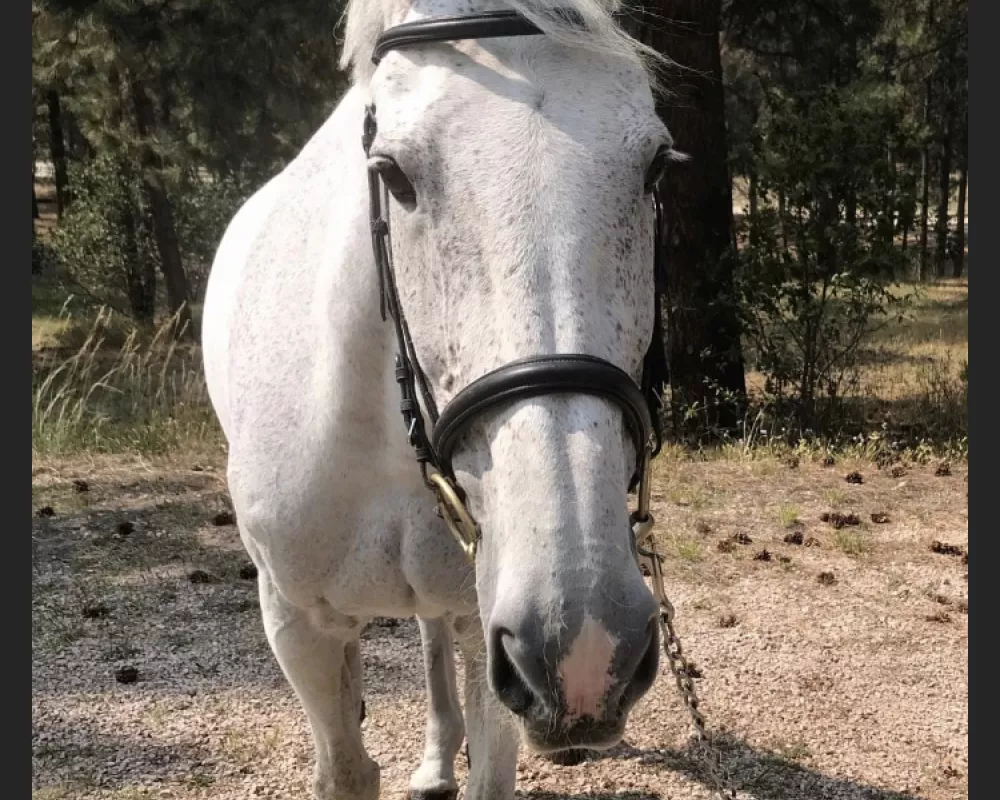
x=435, y=778
x=492, y=734
x=325, y=672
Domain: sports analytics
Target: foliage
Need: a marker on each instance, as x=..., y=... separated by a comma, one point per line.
x=805, y=331
x=239, y=84
x=204, y=209
x=176, y=113
x=105, y=238
x=827, y=130
x=813, y=278
x=89, y=246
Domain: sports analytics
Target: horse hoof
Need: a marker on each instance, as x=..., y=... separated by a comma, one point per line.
x=567, y=758
x=436, y=794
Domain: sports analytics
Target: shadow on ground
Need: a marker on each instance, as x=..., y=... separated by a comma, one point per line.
x=140, y=574
x=760, y=773
x=59, y=749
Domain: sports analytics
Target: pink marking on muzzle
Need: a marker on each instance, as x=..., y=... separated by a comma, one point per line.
x=586, y=670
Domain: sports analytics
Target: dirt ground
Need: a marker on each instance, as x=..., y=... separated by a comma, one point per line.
x=837, y=666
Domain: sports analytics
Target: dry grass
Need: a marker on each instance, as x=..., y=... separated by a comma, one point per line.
x=146, y=395
x=789, y=515
x=99, y=384
x=48, y=331
x=920, y=507
x=919, y=363
x=853, y=543
x=741, y=197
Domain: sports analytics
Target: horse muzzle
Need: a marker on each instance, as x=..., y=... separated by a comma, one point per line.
x=580, y=694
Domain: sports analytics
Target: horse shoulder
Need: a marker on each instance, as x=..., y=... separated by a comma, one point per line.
x=223, y=288
x=274, y=250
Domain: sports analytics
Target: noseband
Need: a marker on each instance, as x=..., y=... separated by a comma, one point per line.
x=533, y=376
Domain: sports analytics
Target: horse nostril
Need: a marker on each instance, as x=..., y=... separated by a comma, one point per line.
x=508, y=684
x=646, y=670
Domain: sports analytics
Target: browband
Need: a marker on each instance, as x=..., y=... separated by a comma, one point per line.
x=481, y=25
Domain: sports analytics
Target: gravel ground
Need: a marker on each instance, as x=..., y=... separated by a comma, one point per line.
x=851, y=686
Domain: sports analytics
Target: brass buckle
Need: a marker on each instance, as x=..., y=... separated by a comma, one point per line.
x=456, y=516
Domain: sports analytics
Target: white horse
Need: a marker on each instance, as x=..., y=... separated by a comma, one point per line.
x=519, y=170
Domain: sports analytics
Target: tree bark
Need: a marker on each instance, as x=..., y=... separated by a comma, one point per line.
x=704, y=354
x=162, y=212
x=782, y=229
x=34, y=197
x=944, y=172
x=57, y=146
x=35, y=265
x=891, y=209
x=78, y=146
x=925, y=165
x=141, y=291
x=140, y=272
x=958, y=254
x=925, y=184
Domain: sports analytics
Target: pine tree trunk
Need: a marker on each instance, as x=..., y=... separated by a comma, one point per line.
x=57, y=145
x=891, y=200
x=162, y=213
x=35, y=265
x=925, y=159
x=165, y=233
x=140, y=272
x=958, y=255
x=703, y=332
x=925, y=183
x=892, y=197
x=944, y=175
x=138, y=297
x=941, y=226
x=34, y=197
x=782, y=229
x=78, y=147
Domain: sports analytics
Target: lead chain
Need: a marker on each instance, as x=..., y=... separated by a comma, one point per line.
x=705, y=750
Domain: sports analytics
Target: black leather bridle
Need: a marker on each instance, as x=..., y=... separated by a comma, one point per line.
x=526, y=377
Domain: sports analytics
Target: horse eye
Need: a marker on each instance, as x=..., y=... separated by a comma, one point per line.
x=395, y=180
x=656, y=169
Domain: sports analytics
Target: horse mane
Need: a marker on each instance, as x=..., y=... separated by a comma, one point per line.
x=600, y=32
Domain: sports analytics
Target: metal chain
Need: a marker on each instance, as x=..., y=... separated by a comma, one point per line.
x=705, y=750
